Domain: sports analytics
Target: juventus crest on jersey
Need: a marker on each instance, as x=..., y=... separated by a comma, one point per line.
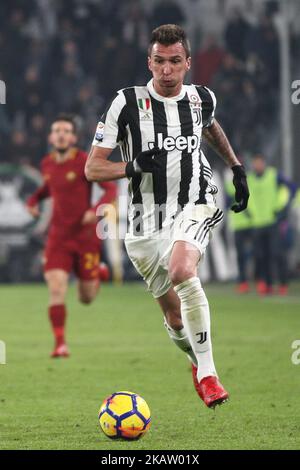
x=139, y=119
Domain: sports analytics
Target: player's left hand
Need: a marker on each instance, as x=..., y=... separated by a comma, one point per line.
x=144, y=162
x=89, y=217
x=241, y=188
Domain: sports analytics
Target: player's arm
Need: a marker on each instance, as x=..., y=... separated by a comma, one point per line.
x=111, y=131
x=33, y=201
x=109, y=197
x=216, y=138
x=98, y=168
x=110, y=192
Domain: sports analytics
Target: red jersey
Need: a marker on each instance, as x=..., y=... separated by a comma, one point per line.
x=70, y=191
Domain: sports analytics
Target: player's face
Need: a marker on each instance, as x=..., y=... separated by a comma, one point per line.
x=62, y=135
x=259, y=165
x=168, y=65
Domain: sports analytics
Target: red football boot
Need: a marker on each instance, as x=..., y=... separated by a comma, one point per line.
x=243, y=288
x=283, y=289
x=60, y=351
x=261, y=288
x=209, y=389
x=104, y=272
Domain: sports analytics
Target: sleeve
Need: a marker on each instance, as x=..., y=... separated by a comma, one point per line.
x=110, y=130
x=109, y=195
x=208, y=105
x=41, y=193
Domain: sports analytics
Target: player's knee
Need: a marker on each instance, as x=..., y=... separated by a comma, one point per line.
x=57, y=293
x=180, y=273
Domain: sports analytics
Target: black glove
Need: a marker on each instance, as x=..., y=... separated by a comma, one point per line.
x=145, y=162
x=241, y=188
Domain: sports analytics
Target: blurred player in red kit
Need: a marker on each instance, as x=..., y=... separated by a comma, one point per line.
x=72, y=243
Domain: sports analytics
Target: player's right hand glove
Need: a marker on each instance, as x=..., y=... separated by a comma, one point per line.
x=145, y=162
x=241, y=188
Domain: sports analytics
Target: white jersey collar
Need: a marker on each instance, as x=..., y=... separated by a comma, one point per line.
x=163, y=98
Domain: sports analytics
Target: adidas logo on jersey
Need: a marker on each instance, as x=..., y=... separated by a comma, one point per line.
x=189, y=143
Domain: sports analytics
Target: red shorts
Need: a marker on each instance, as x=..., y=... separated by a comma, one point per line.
x=81, y=258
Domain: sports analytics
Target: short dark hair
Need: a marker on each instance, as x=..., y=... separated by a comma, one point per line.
x=66, y=118
x=168, y=34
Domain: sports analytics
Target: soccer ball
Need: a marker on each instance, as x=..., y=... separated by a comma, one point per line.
x=124, y=415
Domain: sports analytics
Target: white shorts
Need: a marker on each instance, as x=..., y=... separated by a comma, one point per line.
x=150, y=255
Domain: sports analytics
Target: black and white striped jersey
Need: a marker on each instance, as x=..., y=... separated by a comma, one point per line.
x=139, y=118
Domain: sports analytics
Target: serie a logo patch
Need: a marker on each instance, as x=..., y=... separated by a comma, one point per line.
x=99, y=132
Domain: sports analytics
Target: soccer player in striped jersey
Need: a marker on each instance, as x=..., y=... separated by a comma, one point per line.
x=172, y=211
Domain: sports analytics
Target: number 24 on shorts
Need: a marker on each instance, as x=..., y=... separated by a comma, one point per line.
x=91, y=260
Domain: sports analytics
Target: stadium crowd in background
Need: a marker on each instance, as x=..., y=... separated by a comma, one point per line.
x=63, y=67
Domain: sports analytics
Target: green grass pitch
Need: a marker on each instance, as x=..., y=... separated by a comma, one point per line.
x=119, y=343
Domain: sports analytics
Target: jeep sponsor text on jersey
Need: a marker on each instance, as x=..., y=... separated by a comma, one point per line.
x=189, y=143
